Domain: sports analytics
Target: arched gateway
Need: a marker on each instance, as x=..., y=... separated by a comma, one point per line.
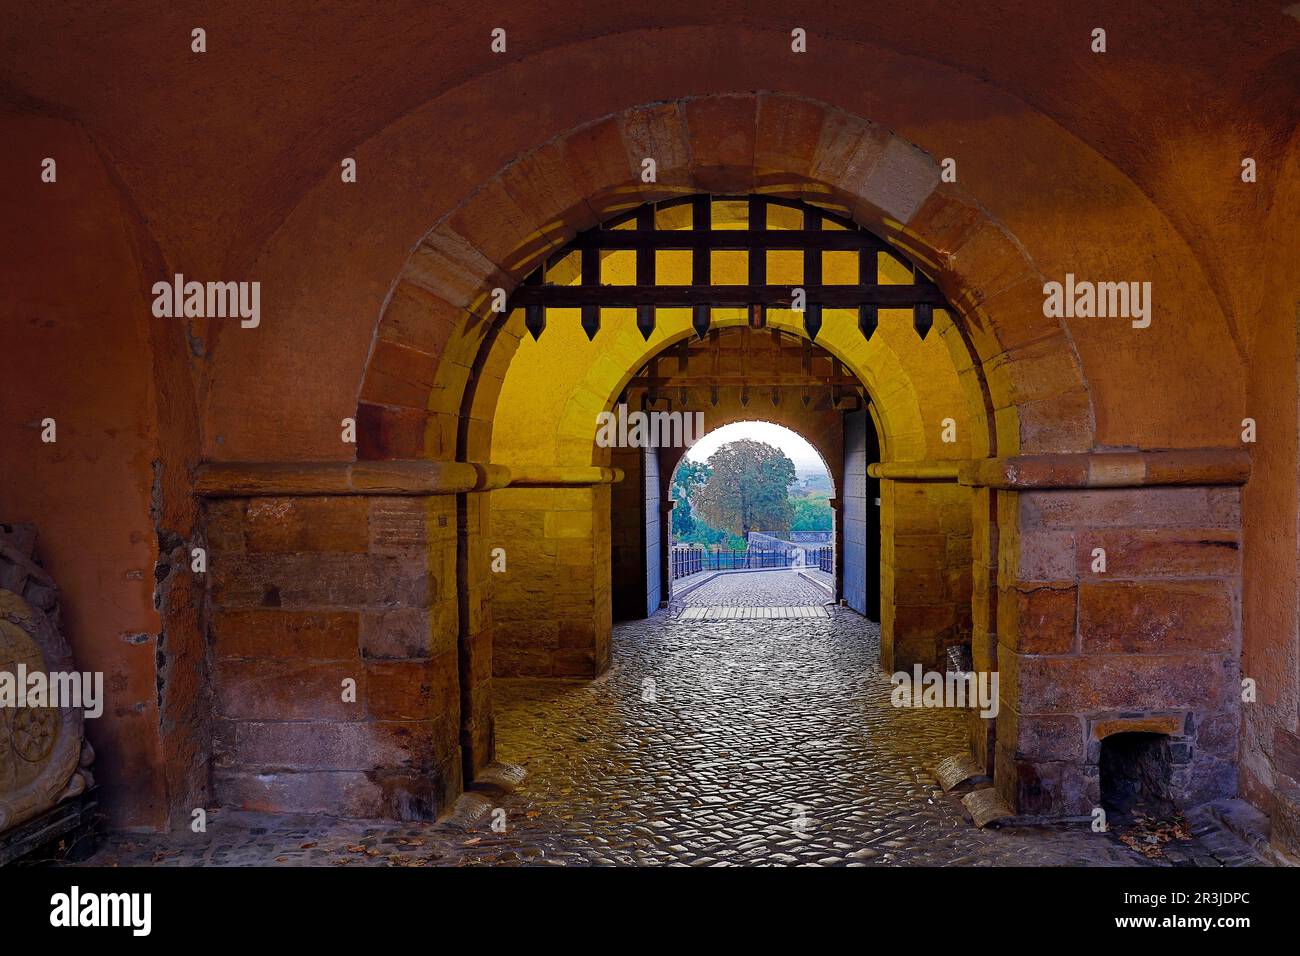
x=474, y=434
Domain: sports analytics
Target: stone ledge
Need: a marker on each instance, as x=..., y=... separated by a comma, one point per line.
x=1284, y=835
x=915, y=470
x=1132, y=469
x=403, y=477
x=1137, y=469
x=562, y=476
x=1233, y=827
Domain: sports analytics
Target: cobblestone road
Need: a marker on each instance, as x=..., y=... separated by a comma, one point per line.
x=756, y=589
x=716, y=743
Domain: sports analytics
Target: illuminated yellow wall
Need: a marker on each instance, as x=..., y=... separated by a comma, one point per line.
x=554, y=387
x=552, y=607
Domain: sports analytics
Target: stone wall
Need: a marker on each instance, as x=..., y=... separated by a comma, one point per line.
x=552, y=608
x=984, y=614
x=925, y=571
x=1150, y=644
x=307, y=593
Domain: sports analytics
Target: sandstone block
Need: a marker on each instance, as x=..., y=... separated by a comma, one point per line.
x=1156, y=617
x=285, y=635
x=287, y=690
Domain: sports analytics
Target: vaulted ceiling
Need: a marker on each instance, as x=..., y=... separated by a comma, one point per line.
x=226, y=143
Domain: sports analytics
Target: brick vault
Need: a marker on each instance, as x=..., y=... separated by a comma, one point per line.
x=1103, y=511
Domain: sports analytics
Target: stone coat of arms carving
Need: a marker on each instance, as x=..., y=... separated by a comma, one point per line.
x=44, y=757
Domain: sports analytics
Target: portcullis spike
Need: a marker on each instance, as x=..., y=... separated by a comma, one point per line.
x=700, y=321
x=590, y=321
x=868, y=320
x=812, y=320
x=535, y=320
x=923, y=318
x=645, y=321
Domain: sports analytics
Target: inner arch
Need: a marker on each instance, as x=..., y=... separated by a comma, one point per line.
x=802, y=539
x=860, y=393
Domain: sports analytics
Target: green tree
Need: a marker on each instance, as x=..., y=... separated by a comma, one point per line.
x=811, y=513
x=689, y=477
x=748, y=488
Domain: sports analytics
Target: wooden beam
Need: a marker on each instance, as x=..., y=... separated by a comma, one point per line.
x=590, y=277
x=868, y=277
x=701, y=263
x=535, y=315
x=724, y=296
x=744, y=349
x=757, y=380
x=728, y=239
x=867, y=296
x=701, y=231
x=757, y=259
x=645, y=272
x=923, y=318
x=812, y=275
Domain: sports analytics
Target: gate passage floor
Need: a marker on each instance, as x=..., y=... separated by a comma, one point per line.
x=706, y=743
x=769, y=595
x=760, y=589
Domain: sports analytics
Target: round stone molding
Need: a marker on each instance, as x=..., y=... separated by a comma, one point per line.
x=41, y=748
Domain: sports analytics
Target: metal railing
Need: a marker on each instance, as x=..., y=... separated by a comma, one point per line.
x=728, y=560
x=687, y=561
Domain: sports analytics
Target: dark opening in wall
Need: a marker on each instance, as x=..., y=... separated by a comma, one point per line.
x=1134, y=771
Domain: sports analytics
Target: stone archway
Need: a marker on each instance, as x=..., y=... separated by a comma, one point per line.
x=439, y=362
x=555, y=388
x=916, y=628
x=772, y=143
x=327, y=556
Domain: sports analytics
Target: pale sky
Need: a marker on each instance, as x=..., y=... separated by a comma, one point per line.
x=797, y=449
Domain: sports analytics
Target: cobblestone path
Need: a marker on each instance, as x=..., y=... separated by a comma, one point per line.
x=756, y=589
x=710, y=743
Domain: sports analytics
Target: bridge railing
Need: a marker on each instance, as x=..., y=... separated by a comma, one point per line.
x=822, y=558
x=727, y=559
x=687, y=561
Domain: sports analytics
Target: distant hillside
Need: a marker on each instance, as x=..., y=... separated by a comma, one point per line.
x=811, y=481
